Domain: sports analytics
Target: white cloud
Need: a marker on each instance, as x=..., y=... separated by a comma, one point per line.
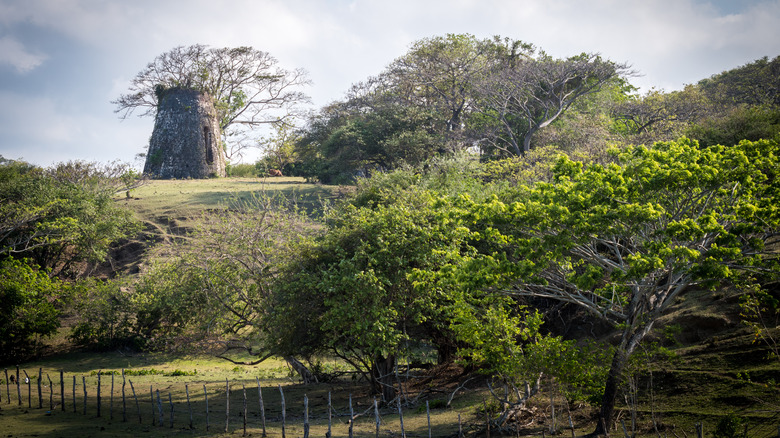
x=13, y=53
x=41, y=131
x=340, y=42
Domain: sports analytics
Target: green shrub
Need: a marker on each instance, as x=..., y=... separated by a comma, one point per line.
x=731, y=426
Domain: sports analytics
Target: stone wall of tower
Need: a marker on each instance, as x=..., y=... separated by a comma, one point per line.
x=185, y=142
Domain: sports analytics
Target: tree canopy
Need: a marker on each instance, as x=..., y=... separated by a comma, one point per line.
x=248, y=87
x=624, y=240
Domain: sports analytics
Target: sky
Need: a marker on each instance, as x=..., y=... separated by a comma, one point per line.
x=62, y=62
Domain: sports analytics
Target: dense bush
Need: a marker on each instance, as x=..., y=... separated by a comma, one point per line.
x=29, y=301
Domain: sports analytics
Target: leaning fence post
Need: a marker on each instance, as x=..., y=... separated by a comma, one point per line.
x=137, y=406
x=262, y=406
x=284, y=414
x=62, y=390
x=51, y=393
x=189, y=406
x=227, y=404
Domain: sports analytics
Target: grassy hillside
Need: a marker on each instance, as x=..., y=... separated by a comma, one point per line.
x=716, y=366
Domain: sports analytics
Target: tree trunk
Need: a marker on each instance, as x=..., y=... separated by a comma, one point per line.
x=632, y=336
x=614, y=379
x=301, y=369
x=383, y=375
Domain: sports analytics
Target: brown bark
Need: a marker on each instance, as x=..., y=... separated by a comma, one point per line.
x=383, y=376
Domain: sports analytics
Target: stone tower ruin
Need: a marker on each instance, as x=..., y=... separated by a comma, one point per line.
x=185, y=142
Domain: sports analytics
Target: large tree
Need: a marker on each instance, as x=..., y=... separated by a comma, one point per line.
x=247, y=85
x=524, y=94
x=62, y=215
x=623, y=241
x=755, y=83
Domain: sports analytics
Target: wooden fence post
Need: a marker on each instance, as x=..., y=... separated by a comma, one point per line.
x=98, y=393
x=206, y=396
x=428, y=413
x=227, y=404
x=111, y=399
x=160, y=409
x=7, y=387
x=29, y=389
x=330, y=416
x=74, y=393
x=84, y=387
x=137, y=406
x=189, y=406
x=18, y=387
x=351, y=416
x=376, y=416
x=40, y=394
x=124, y=397
x=154, y=413
x=51, y=393
x=62, y=389
x=170, y=402
x=305, y=416
x=262, y=406
x=243, y=388
x=284, y=413
x=401, y=418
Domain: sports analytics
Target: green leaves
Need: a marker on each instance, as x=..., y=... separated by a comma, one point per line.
x=28, y=303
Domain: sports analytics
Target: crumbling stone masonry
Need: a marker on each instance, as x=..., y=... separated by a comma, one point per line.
x=185, y=142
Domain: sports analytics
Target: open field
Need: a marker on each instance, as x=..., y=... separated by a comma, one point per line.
x=181, y=198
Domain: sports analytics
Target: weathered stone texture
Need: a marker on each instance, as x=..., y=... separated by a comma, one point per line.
x=185, y=142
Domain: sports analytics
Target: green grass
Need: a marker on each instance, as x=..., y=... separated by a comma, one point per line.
x=29, y=420
x=719, y=370
x=183, y=198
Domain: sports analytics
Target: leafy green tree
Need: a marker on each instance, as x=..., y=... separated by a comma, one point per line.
x=62, y=215
x=732, y=125
x=279, y=150
x=247, y=85
x=213, y=294
x=756, y=83
x=624, y=240
x=439, y=74
x=659, y=116
x=352, y=283
x=525, y=94
x=29, y=301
